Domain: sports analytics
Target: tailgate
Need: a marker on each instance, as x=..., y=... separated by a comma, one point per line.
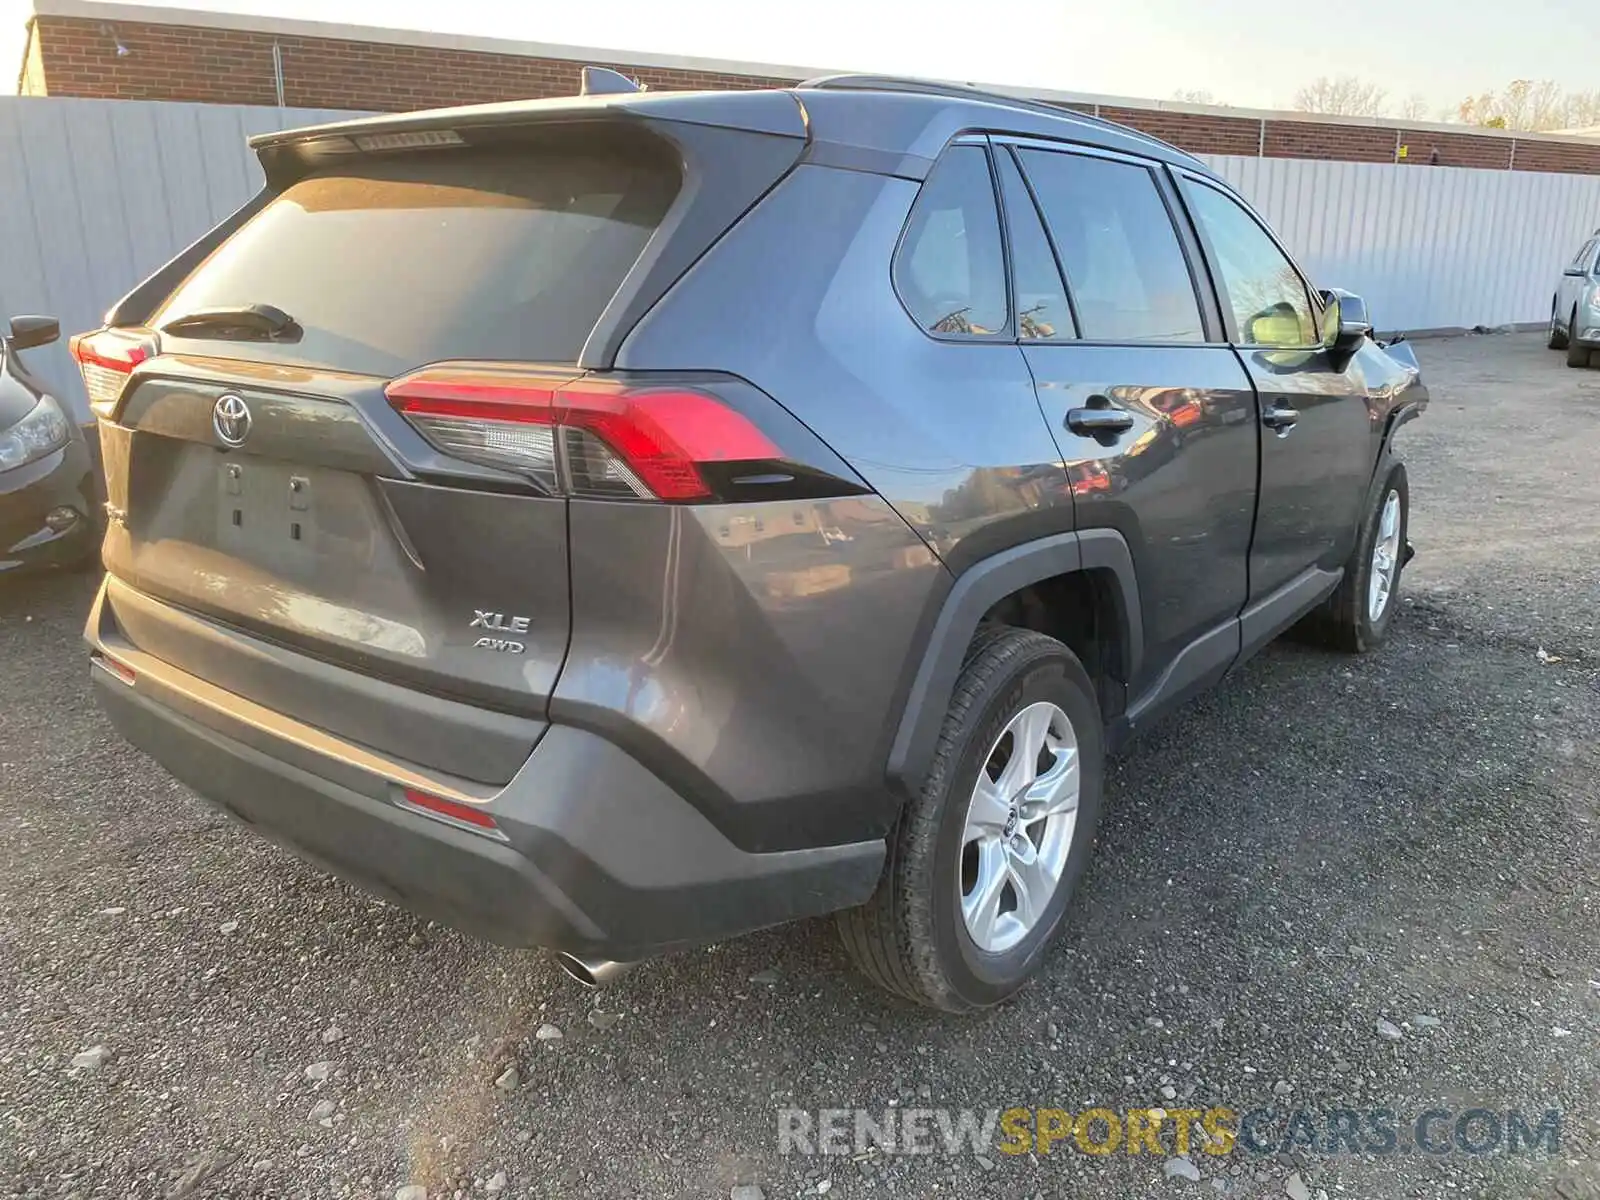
x=310, y=537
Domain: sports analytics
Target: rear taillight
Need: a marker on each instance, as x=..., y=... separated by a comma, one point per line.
x=106, y=357
x=587, y=437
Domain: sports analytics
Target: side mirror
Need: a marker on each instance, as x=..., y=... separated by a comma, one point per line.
x=1344, y=320
x=1578, y=272
x=1277, y=326
x=27, y=332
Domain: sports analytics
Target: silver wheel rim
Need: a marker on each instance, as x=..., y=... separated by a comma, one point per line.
x=1019, y=827
x=1385, y=558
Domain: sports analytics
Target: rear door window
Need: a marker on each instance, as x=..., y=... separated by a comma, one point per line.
x=390, y=263
x=949, y=271
x=1125, y=268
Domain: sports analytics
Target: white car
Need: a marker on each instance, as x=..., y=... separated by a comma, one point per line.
x=1575, y=311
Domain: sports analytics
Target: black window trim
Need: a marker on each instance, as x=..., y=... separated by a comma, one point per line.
x=1011, y=260
x=1313, y=296
x=1006, y=334
x=1206, y=299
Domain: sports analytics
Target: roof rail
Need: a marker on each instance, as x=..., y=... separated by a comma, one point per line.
x=964, y=91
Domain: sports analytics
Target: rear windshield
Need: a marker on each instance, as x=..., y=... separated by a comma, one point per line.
x=392, y=263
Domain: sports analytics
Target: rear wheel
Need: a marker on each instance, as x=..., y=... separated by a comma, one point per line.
x=985, y=858
x=1356, y=617
x=1558, y=336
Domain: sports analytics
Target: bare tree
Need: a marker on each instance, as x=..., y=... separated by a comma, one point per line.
x=1414, y=107
x=1346, y=96
x=1527, y=104
x=1583, y=110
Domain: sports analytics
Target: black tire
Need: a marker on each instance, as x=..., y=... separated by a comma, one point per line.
x=910, y=938
x=1558, y=337
x=88, y=558
x=1577, y=355
x=1344, y=621
x=88, y=562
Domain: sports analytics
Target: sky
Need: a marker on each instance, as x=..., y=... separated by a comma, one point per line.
x=1244, y=52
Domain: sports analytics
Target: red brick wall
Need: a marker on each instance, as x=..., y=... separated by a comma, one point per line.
x=1556, y=156
x=1317, y=139
x=1429, y=147
x=1198, y=133
x=227, y=66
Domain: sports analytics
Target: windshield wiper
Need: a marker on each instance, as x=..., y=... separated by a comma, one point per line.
x=245, y=322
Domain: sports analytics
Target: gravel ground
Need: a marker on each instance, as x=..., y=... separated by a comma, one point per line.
x=1321, y=844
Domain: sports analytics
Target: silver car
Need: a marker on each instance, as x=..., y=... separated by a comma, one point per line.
x=1575, y=311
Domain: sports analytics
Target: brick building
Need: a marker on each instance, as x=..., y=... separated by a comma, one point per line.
x=131, y=51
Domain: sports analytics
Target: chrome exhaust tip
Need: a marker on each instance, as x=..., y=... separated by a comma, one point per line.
x=591, y=972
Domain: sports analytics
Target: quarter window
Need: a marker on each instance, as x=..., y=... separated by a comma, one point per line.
x=950, y=271
x=1271, y=306
x=1125, y=268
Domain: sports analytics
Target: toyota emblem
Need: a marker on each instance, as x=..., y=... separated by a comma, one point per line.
x=231, y=419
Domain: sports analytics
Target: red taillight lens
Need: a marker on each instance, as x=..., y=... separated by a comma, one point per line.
x=588, y=437
x=106, y=357
x=466, y=813
x=660, y=434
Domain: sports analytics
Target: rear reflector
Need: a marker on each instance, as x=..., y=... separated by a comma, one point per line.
x=588, y=437
x=106, y=357
x=466, y=813
x=121, y=670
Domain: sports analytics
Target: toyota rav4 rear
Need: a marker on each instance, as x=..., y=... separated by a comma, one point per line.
x=402, y=573
x=618, y=523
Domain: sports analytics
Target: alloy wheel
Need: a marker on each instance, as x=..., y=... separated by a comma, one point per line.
x=1019, y=827
x=1385, y=558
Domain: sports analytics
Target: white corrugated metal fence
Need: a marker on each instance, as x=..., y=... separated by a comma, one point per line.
x=1426, y=247
x=95, y=194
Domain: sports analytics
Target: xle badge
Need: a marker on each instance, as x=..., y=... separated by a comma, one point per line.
x=500, y=623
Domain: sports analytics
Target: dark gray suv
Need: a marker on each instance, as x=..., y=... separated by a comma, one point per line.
x=619, y=523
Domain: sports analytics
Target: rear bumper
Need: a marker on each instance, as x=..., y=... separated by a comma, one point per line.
x=594, y=854
x=32, y=501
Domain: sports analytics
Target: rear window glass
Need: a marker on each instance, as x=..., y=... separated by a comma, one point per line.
x=510, y=254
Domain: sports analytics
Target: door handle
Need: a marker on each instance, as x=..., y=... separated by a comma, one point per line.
x=1280, y=419
x=1092, y=421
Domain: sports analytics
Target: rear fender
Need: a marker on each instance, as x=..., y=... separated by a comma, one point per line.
x=974, y=593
